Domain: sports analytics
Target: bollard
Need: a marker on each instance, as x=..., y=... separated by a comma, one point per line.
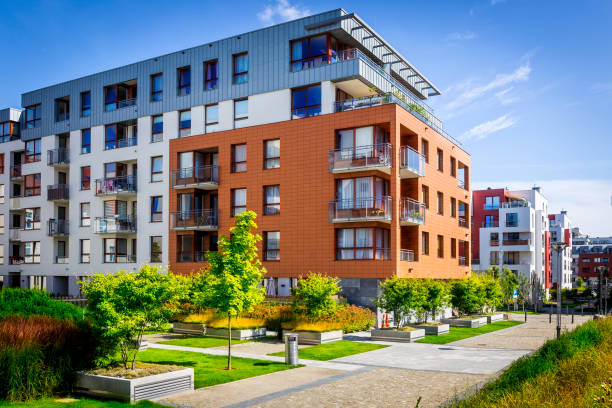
x=549, y=316
x=291, y=349
x=572, y=316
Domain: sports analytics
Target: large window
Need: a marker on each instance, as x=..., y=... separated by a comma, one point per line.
x=362, y=243
x=489, y=221
x=32, y=252
x=120, y=95
x=85, y=141
x=241, y=68
x=31, y=218
x=115, y=250
x=32, y=151
x=362, y=192
x=157, y=87
x=312, y=52
x=272, y=246
x=211, y=75
x=9, y=131
x=156, y=249
x=85, y=104
x=511, y=219
x=239, y=158
x=238, y=201
x=440, y=246
x=32, y=185
x=491, y=203
x=241, y=112
x=184, y=81
x=212, y=118
x=272, y=154
x=440, y=202
x=157, y=169
x=271, y=200
x=453, y=207
x=425, y=149
x=85, y=177
x=440, y=159
x=185, y=123
x=32, y=116
x=84, y=250
x=425, y=243
x=306, y=101
x=85, y=215
x=156, y=209
x=157, y=128
x=425, y=195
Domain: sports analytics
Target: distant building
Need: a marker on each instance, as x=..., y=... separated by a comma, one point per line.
x=560, y=228
x=588, y=255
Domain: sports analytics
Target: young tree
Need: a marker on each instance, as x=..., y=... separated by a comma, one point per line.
x=234, y=273
x=124, y=304
x=491, y=292
x=400, y=296
x=436, y=297
x=467, y=295
x=523, y=289
x=508, y=282
x=313, y=295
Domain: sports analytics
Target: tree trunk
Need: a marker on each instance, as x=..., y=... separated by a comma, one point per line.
x=229, y=341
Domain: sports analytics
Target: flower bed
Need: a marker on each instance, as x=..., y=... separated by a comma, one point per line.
x=494, y=317
x=466, y=321
x=405, y=334
x=314, y=338
x=433, y=328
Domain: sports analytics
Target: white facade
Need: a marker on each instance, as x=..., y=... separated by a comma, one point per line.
x=559, y=223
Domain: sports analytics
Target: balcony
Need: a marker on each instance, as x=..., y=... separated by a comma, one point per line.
x=58, y=228
x=516, y=204
x=513, y=242
x=361, y=209
x=124, y=185
x=58, y=192
x=490, y=224
x=63, y=260
x=412, y=212
x=16, y=260
x=462, y=222
x=15, y=204
x=201, y=220
x=16, y=172
x=323, y=60
x=119, y=143
x=412, y=163
x=407, y=255
x=58, y=157
x=119, y=258
x=195, y=256
x=462, y=261
x=124, y=224
x=15, y=234
x=202, y=177
x=374, y=157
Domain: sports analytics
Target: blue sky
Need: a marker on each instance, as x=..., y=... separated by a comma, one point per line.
x=526, y=85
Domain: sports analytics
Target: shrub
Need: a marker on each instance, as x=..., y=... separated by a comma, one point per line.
x=310, y=326
x=352, y=318
x=401, y=296
x=238, y=323
x=274, y=314
x=436, y=297
x=491, y=292
x=34, y=302
x=313, y=296
x=467, y=295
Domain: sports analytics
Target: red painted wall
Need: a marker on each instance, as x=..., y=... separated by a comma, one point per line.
x=547, y=259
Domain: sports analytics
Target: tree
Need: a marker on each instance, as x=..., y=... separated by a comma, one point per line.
x=467, y=295
x=233, y=274
x=523, y=289
x=580, y=283
x=436, y=297
x=313, y=295
x=123, y=305
x=508, y=282
x=491, y=292
x=400, y=296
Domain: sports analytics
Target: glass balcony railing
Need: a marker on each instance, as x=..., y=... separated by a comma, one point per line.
x=116, y=185
x=195, y=256
x=360, y=157
x=412, y=163
x=16, y=171
x=407, y=255
x=412, y=211
x=58, y=228
x=516, y=204
x=119, y=143
x=58, y=156
x=195, y=176
x=197, y=219
x=490, y=224
x=360, y=209
x=322, y=60
x=125, y=224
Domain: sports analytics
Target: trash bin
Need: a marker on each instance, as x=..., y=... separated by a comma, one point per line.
x=291, y=349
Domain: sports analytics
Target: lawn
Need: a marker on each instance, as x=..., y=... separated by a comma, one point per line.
x=334, y=350
x=460, y=333
x=77, y=403
x=201, y=342
x=210, y=370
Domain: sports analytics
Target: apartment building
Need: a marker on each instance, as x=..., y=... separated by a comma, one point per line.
x=560, y=227
x=591, y=258
x=148, y=163
x=511, y=230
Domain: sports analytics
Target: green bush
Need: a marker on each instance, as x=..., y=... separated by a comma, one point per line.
x=34, y=302
x=467, y=295
x=313, y=296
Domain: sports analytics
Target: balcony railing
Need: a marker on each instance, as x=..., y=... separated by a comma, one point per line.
x=111, y=106
x=462, y=222
x=494, y=242
x=462, y=261
x=16, y=260
x=490, y=207
x=58, y=156
x=62, y=260
x=116, y=185
x=323, y=60
x=516, y=204
x=490, y=224
x=198, y=219
x=516, y=242
x=412, y=211
x=118, y=144
x=58, y=192
x=119, y=258
x=272, y=255
x=16, y=171
x=360, y=254
x=195, y=256
x=58, y=228
x=360, y=209
x=360, y=157
x=14, y=234
x=412, y=163
x=195, y=176
x=125, y=224
x=461, y=183
x=407, y=255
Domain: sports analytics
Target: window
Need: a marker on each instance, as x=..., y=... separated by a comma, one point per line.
x=453, y=247
x=440, y=202
x=1, y=223
x=453, y=207
x=62, y=109
x=239, y=157
x=586, y=260
x=425, y=243
x=84, y=250
x=440, y=246
x=511, y=219
x=211, y=75
x=272, y=154
x=362, y=243
x=32, y=252
x=120, y=135
x=157, y=169
x=425, y=149
x=156, y=209
x=241, y=68
x=241, y=112
x=425, y=196
x=453, y=167
x=1, y=254
x=32, y=151
x=32, y=116
x=157, y=87
x=488, y=221
x=32, y=185
x=85, y=215
x=184, y=81
x=156, y=249
x=1, y=163
x=212, y=118
x=271, y=200
x=306, y=102
x=185, y=123
x=238, y=201
x=85, y=104
x=272, y=246
x=9, y=131
x=491, y=203
x=115, y=250
x=85, y=141
x=120, y=95
x=85, y=177
x=440, y=157
x=1, y=193
x=311, y=52
x=157, y=128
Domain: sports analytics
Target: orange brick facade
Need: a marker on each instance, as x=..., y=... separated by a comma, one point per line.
x=307, y=242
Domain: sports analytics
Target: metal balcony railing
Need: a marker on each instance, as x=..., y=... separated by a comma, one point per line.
x=195, y=175
x=516, y=242
x=407, y=255
x=195, y=256
x=116, y=185
x=119, y=258
x=272, y=255
x=58, y=156
x=115, y=225
x=16, y=171
x=360, y=157
x=462, y=222
x=516, y=204
x=62, y=260
x=412, y=211
x=490, y=207
x=360, y=209
x=461, y=183
x=111, y=106
x=206, y=219
x=58, y=192
x=14, y=234
x=16, y=260
x=490, y=224
x=347, y=254
x=119, y=143
x=462, y=261
x=412, y=160
x=58, y=228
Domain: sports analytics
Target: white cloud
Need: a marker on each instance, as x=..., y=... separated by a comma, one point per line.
x=483, y=130
x=281, y=11
x=505, y=98
x=464, y=36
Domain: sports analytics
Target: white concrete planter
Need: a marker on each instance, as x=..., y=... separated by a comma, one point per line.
x=188, y=328
x=433, y=330
x=471, y=323
x=243, y=334
x=498, y=317
x=397, y=335
x=136, y=389
x=305, y=337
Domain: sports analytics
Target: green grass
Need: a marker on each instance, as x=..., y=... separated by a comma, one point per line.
x=206, y=342
x=210, y=370
x=334, y=350
x=78, y=403
x=460, y=333
x=522, y=313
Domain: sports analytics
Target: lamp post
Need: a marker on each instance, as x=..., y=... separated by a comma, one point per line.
x=559, y=247
x=601, y=287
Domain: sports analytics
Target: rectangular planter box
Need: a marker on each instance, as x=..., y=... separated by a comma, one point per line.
x=433, y=330
x=244, y=334
x=305, y=337
x=471, y=323
x=136, y=389
x=397, y=335
x=188, y=328
x=498, y=317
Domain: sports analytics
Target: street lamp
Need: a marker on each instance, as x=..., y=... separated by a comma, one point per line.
x=601, y=286
x=559, y=247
